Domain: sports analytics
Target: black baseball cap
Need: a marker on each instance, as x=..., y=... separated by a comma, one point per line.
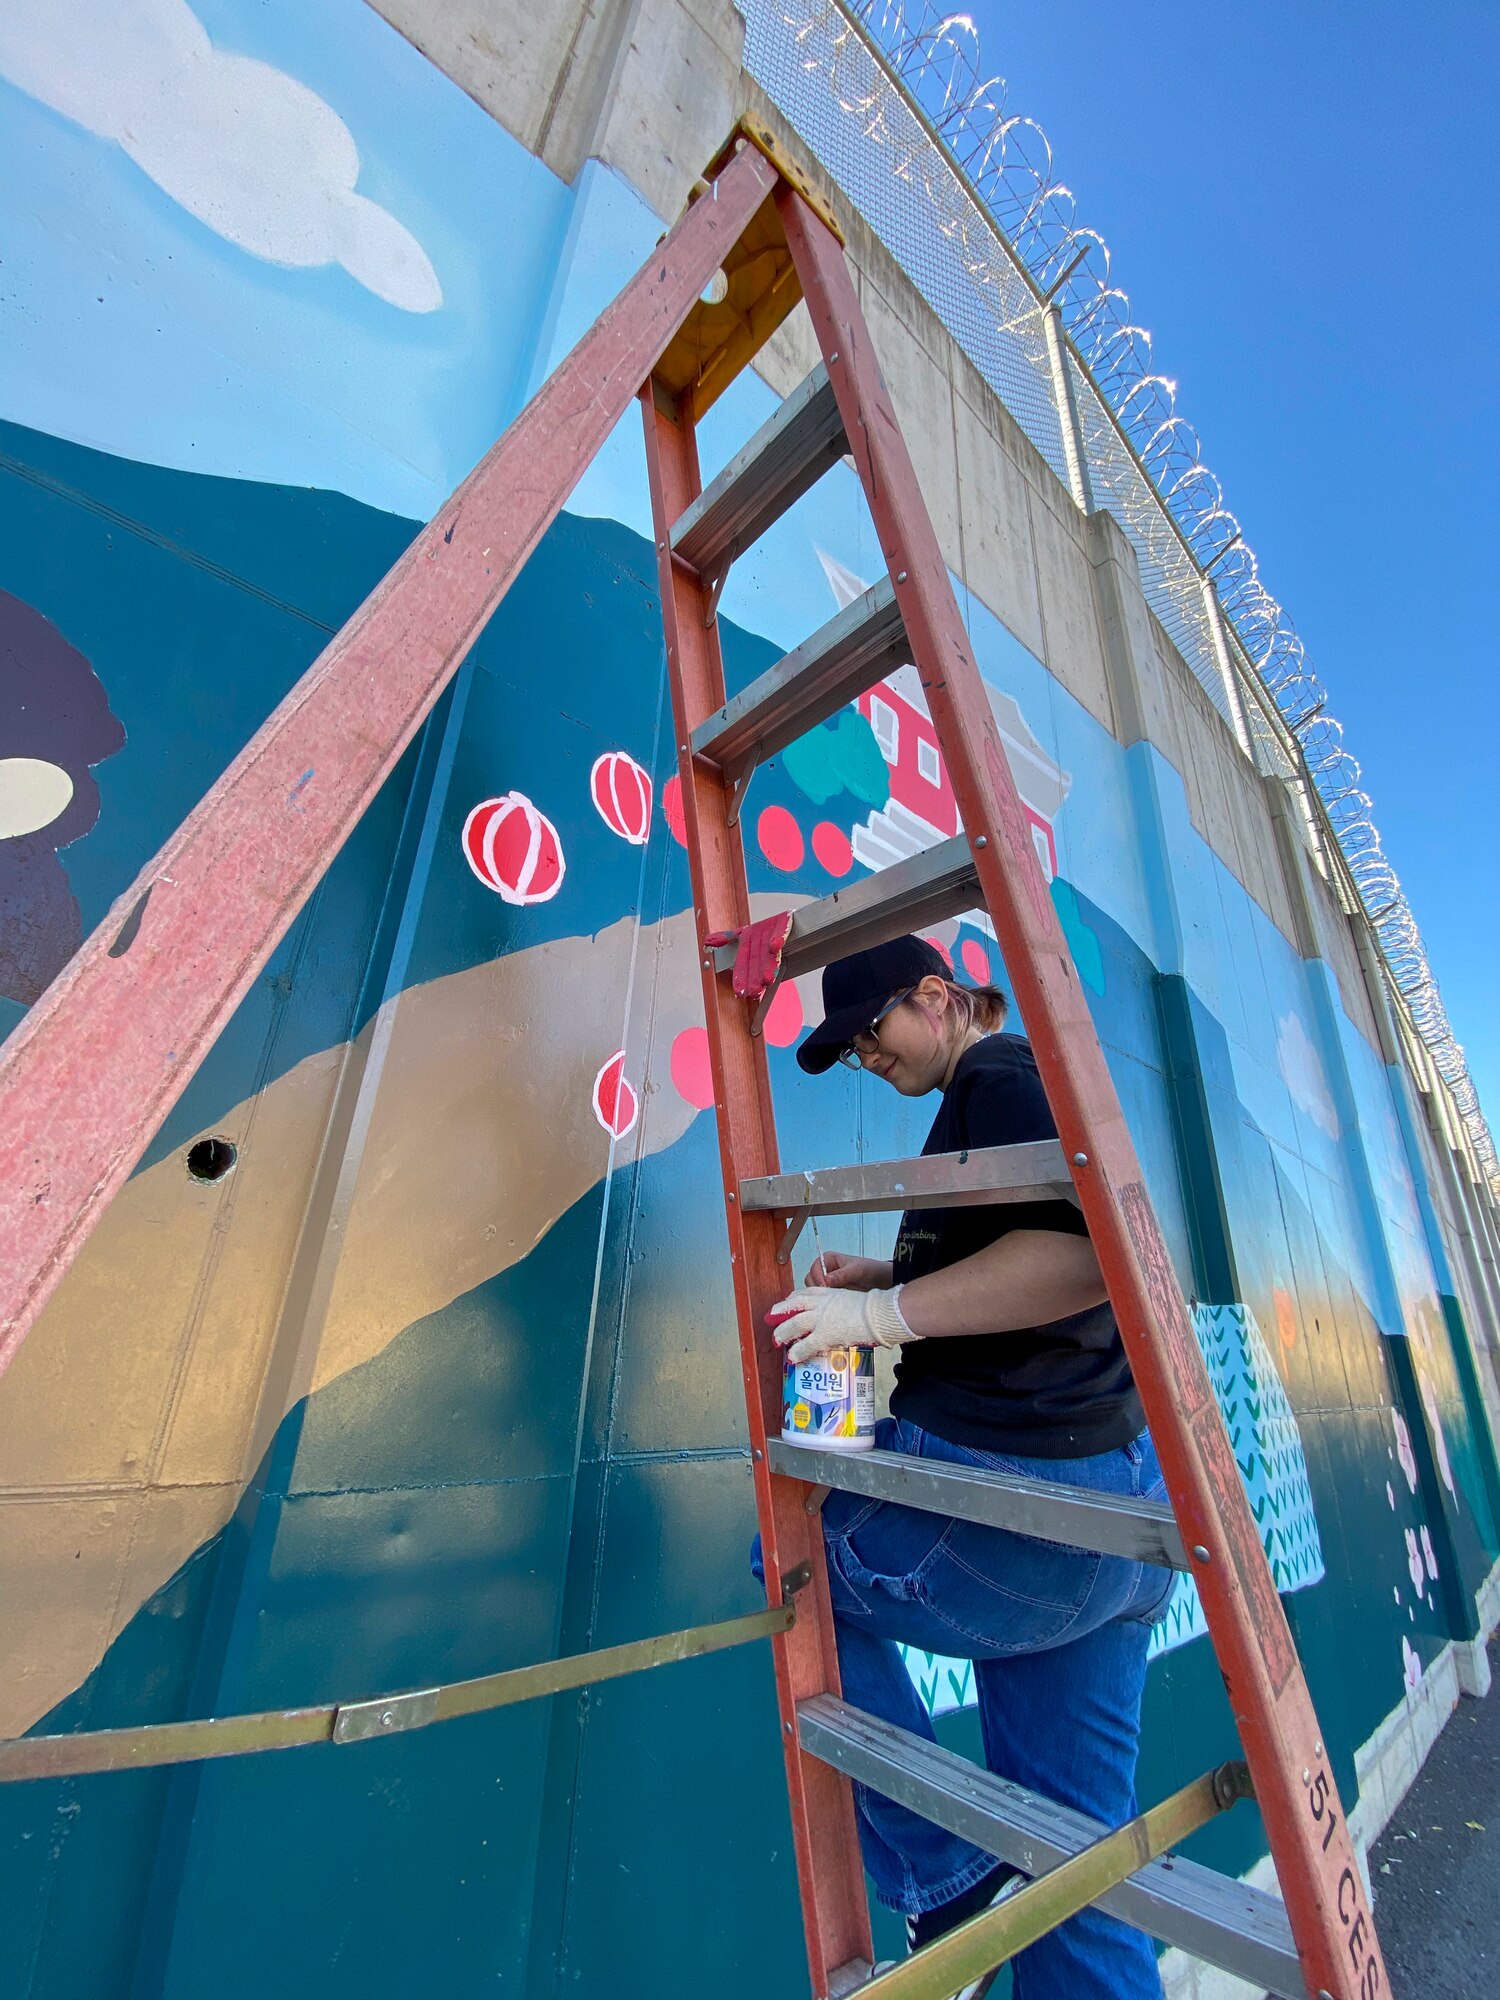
x=857, y=987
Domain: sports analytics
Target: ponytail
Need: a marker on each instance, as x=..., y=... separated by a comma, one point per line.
x=982, y=1007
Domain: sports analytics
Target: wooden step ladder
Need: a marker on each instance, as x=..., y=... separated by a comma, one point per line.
x=89, y=1075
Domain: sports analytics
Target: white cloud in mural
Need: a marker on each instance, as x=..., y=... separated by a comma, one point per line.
x=249, y=150
x=1302, y=1073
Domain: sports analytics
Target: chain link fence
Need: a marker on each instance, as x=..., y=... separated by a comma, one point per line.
x=831, y=81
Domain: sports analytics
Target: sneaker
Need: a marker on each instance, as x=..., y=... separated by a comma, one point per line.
x=1002, y=1881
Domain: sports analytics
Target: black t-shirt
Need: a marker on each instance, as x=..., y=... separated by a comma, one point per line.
x=1057, y=1391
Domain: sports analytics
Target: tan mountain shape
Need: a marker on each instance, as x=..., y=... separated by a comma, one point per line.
x=376, y=1182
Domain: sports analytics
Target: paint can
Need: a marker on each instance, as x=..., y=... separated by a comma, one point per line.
x=831, y=1401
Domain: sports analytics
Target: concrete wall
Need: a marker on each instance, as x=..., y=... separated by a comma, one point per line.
x=440, y=1378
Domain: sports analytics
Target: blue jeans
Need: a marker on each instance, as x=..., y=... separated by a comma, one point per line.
x=1058, y=1638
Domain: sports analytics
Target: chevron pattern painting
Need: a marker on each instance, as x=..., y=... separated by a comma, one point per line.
x=1268, y=1449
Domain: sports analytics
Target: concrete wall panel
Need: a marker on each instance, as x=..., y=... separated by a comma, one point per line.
x=922, y=391
x=679, y=94
x=1072, y=649
x=999, y=560
x=512, y=61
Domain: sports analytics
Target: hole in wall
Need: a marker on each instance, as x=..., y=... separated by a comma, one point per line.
x=211, y=1159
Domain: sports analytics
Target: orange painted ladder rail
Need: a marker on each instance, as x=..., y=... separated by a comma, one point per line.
x=87, y=1078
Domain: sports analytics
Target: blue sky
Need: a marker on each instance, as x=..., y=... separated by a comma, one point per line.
x=1301, y=204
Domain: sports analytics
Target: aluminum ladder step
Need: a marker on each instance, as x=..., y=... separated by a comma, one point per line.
x=1110, y=1523
x=860, y=646
x=980, y=1177
x=787, y=455
x=1243, y=1930
x=911, y=895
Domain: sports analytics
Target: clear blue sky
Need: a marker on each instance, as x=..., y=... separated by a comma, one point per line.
x=1302, y=201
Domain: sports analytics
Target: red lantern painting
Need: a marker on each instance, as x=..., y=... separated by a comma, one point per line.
x=513, y=848
x=671, y=805
x=622, y=795
x=616, y=1105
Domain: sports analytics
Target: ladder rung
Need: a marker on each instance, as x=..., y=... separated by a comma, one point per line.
x=1211, y=1916
x=1036, y=1171
x=1143, y=1530
x=786, y=456
x=865, y=642
x=908, y=896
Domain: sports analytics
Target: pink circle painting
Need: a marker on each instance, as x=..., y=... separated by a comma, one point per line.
x=692, y=1075
x=780, y=838
x=671, y=805
x=622, y=796
x=513, y=848
x=783, y=1023
x=976, y=961
x=616, y=1105
x=831, y=846
x=938, y=946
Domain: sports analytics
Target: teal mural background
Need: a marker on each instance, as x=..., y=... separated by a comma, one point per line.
x=420, y=1519
x=554, y=1459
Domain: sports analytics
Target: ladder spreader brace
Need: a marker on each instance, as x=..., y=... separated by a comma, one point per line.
x=143, y=1000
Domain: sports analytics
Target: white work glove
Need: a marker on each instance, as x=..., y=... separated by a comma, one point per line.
x=816, y=1322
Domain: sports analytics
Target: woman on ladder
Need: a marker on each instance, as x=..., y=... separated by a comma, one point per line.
x=1009, y=1359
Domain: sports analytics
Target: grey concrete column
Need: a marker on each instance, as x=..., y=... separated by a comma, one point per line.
x=1484, y=1201
x=1482, y=1212
x=1213, y=610
x=1410, y=1056
x=1481, y=1279
x=1452, y=1146
x=1292, y=854
x=1141, y=702
x=1066, y=399
x=1478, y=1298
x=1374, y=981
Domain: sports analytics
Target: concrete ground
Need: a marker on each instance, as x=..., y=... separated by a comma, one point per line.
x=1436, y=1868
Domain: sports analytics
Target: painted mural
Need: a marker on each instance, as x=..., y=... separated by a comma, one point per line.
x=57, y=724
x=441, y=1377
